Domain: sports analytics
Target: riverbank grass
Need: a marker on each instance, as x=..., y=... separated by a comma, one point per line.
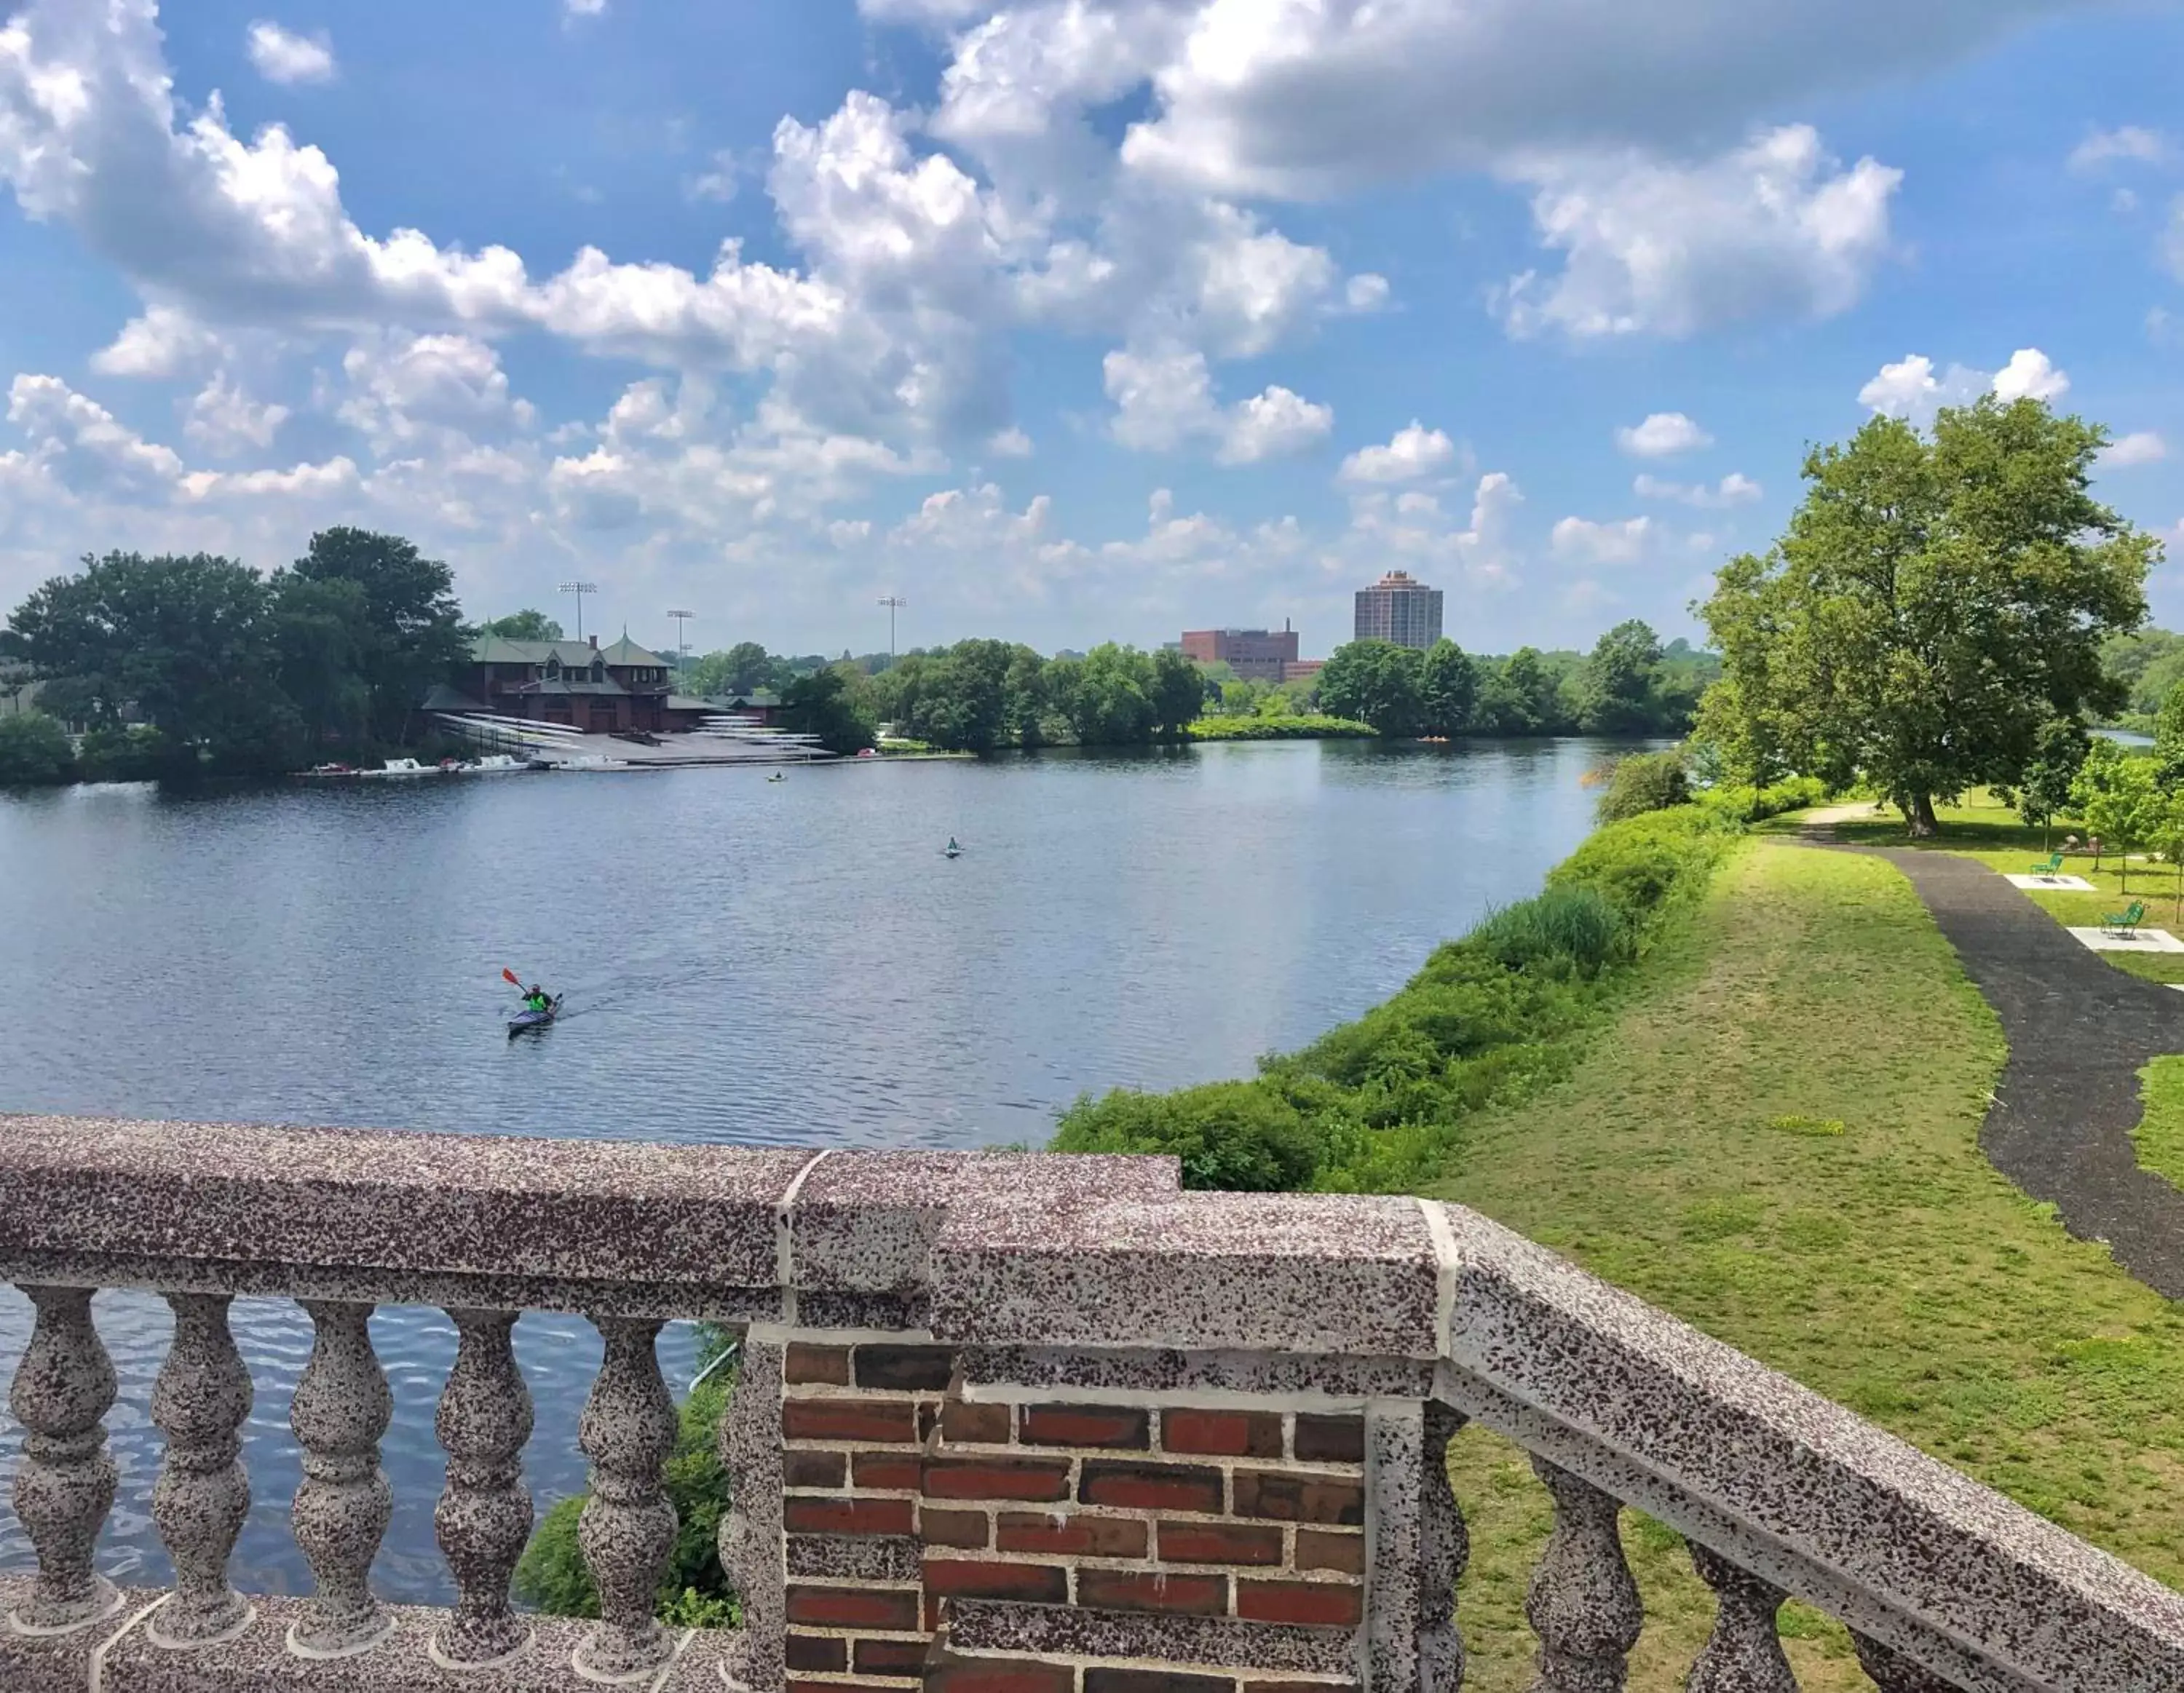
x=1776, y=1139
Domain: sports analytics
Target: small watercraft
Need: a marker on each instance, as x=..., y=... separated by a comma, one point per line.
x=524, y=1022
x=951, y=850
x=776, y=776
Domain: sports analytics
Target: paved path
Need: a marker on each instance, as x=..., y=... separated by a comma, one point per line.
x=2079, y=1032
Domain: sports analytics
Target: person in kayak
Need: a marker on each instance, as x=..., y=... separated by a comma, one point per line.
x=535, y=999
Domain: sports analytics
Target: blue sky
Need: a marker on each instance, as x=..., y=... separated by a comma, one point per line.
x=1070, y=320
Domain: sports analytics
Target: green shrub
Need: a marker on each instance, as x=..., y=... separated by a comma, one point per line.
x=1746, y=804
x=1643, y=783
x=1240, y=1136
x=695, y=1592
x=1576, y=924
x=33, y=751
x=132, y=755
x=1311, y=727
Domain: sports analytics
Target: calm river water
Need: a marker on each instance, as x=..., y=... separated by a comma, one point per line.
x=745, y=962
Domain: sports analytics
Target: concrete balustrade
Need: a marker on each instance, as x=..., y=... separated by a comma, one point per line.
x=1003, y=1423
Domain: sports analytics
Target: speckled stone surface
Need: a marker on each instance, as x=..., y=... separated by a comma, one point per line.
x=61, y=1663
x=983, y=1625
x=469, y=1203
x=865, y=1222
x=750, y=1542
x=856, y=1557
x=1171, y=1370
x=1199, y=1270
x=1790, y=1485
x=1416, y=1548
x=260, y=1663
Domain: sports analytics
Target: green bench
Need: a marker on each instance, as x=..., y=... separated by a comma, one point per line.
x=2052, y=867
x=2124, y=925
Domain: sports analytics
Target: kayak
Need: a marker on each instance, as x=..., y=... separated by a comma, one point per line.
x=523, y=1021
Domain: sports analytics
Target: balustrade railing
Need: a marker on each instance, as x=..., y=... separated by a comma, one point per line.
x=1004, y=1423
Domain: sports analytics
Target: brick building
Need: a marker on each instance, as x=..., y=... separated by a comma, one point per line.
x=1254, y=654
x=1399, y=608
x=575, y=683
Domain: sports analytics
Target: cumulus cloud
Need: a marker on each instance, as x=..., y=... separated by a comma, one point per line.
x=1912, y=389
x=2131, y=144
x=1009, y=443
x=1413, y=452
x=162, y=342
x=1164, y=400
x=282, y=56
x=1662, y=435
x=1654, y=248
x=224, y=420
x=2141, y=447
x=1733, y=489
x=1600, y=544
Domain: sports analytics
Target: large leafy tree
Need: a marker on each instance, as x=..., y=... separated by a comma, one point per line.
x=1375, y=682
x=527, y=625
x=2059, y=747
x=1179, y=694
x=1110, y=697
x=834, y=703
x=188, y=644
x=1615, y=689
x=1934, y=601
x=1448, y=689
x=413, y=631
x=1520, y=696
x=321, y=631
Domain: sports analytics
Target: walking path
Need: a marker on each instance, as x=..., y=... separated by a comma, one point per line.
x=2079, y=1033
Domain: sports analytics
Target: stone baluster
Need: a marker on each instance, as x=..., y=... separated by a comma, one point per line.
x=1893, y=1673
x=483, y=1518
x=1444, y=1550
x=341, y=1409
x=65, y=1483
x=1744, y=1653
x=1583, y=1604
x=627, y=1530
x=203, y=1496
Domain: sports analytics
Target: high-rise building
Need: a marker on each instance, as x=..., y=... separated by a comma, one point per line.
x=1254, y=654
x=1399, y=608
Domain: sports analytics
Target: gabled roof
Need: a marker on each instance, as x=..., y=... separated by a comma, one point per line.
x=626, y=653
x=496, y=649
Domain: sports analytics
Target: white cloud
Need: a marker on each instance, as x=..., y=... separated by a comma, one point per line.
x=1009, y=443
x=1164, y=400
x=584, y=8
x=2172, y=240
x=224, y=420
x=1414, y=451
x=88, y=449
x=1911, y=389
x=1365, y=292
x=1662, y=435
x=2131, y=144
x=1733, y=489
x=282, y=56
x=162, y=342
x=1773, y=226
x=2028, y=374
x=2141, y=447
x=1600, y=544
x=1306, y=99
x=1273, y=424
x=719, y=182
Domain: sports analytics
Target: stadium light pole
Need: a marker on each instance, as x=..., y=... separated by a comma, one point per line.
x=894, y=603
x=682, y=645
x=580, y=589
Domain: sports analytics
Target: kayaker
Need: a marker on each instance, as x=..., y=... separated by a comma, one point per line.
x=535, y=999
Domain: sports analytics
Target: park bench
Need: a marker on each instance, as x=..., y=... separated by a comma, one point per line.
x=2124, y=925
x=2053, y=866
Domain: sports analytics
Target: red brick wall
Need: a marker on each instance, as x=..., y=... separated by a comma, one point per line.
x=1253, y=1514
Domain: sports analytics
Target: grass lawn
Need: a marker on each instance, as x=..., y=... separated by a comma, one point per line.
x=2159, y=1136
x=1982, y=829
x=1693, y=1157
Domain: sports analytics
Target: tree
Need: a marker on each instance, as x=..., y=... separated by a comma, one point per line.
x=2165, y=833
x=1179, y=694
x=1110, y=702
x=1614, y=689
x=1448, y=689
x=1643, y=783
x=2116, y=795
x=413, y=632
x=1376, y=683
x=2169, y=739
x=746, y=666
x=2058, y=752
x=33, y=751
x=1520, y=696
x=322, y=630
x=187, y=644
x=525, y=624
x=835, y=704
x=1933, y=602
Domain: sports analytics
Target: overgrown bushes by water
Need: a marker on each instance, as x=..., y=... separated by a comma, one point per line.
x=1379, y=1104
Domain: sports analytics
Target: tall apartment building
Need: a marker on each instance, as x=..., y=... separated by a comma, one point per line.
x=1254, y=654
x=1399, y=608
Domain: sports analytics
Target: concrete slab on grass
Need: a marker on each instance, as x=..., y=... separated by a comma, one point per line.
x=2146, y=940
x=2059, y=884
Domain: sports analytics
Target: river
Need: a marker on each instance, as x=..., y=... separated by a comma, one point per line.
x=744, y=962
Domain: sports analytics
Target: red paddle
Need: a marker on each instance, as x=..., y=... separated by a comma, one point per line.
x=512, y=978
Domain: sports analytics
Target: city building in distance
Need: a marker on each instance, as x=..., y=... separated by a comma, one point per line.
x=1254, y=654
x=1399, y=608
